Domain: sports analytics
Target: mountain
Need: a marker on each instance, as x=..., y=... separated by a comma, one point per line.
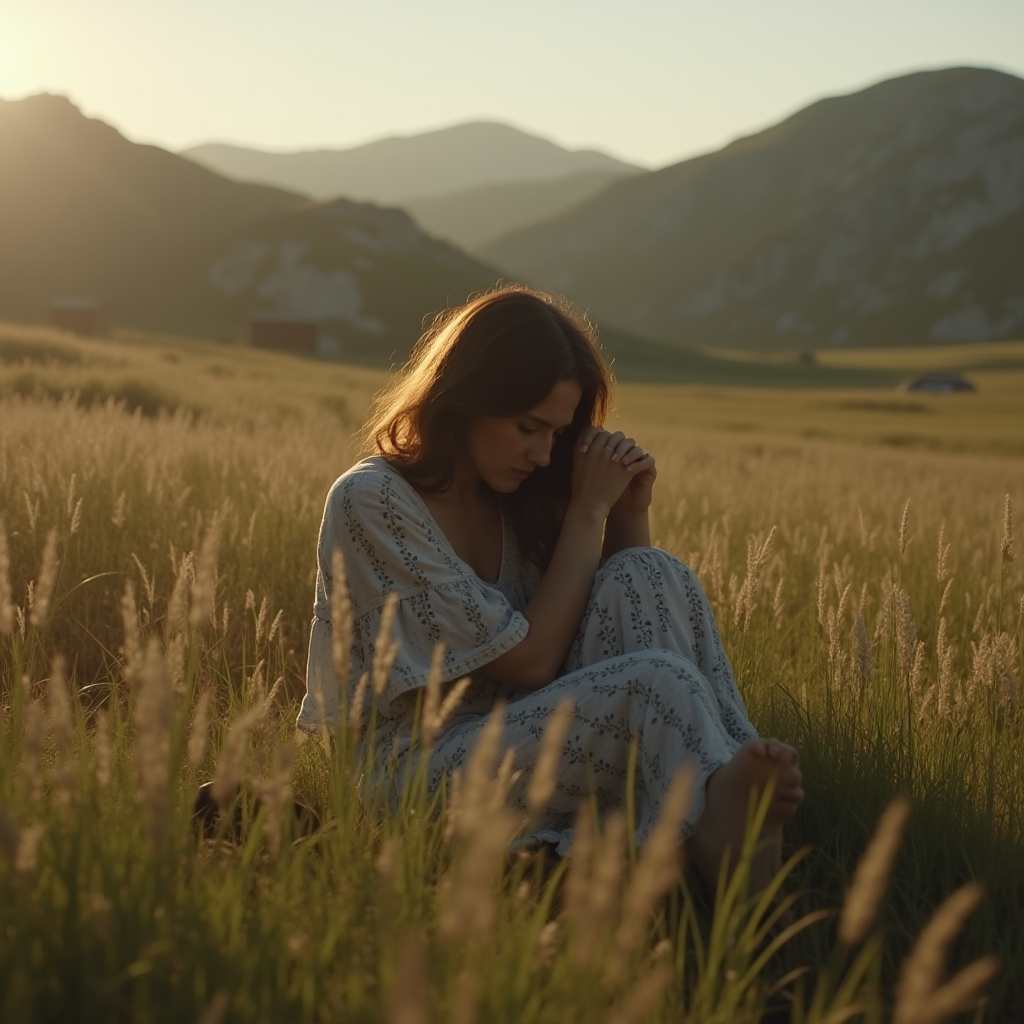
x=891, y=216
x=476, y=216
x=172, y=246
x=395, y=170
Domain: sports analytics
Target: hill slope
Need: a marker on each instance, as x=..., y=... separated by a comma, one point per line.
x=474, y=217
x=395, y=170
x=894, y=215
x=85, y=211
x=171, y=246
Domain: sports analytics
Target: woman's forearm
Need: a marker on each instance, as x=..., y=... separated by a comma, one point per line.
x=626, y=531
x=555, y=610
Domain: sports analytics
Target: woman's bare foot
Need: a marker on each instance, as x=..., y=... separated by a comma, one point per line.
x=722, y=826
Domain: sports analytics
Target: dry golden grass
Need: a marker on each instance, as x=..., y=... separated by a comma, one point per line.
x=158, y=532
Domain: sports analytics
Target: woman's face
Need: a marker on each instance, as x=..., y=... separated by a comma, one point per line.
x=505, y=450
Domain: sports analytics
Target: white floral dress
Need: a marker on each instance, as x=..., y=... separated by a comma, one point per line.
x=647, y=660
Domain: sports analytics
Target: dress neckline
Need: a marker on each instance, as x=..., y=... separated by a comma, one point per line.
x=418, y=499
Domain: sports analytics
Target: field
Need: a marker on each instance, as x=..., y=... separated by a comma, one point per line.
x=160, y=499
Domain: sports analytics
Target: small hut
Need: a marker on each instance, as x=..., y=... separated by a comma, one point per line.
x=939, y=384
x=284, y=333
x=81, y=316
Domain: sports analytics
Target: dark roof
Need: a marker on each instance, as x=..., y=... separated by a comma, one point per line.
x=939, y=382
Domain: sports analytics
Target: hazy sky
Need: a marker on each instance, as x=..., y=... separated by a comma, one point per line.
x=649, y=80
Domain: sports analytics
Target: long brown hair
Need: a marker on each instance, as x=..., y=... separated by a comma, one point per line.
x=498, y=355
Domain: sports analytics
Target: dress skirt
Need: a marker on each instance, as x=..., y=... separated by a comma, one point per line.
x=648, y=663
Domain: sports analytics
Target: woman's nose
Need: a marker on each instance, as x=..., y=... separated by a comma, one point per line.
x=540, y=454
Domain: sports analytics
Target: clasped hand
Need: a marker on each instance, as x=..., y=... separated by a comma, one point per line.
x=612, y=473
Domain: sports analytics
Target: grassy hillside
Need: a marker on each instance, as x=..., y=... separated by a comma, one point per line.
x=401, y=168
x=891, y=216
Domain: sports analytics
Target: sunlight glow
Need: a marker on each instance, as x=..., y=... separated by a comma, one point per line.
x=650, y=81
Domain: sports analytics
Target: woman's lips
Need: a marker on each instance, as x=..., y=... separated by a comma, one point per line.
x=522, y=473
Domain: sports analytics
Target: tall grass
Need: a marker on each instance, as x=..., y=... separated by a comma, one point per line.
x=152, y=637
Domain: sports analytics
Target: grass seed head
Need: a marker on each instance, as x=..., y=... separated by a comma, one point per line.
x=863, y=662
x=942, y=566
x=409, y=997
x=28, y=849
x=233, y=761
x=275, y=793
x=656, y=872
x=102, y=750
x=945, y=595
x=905, y=529
x=385, y=648
x=261, y=622
x=60, y=715
x=546, y=946
x=43, y=592
x=432, y=697
x=341, y=622
x=148, y=582
x=641, y=1000
x=131, y=651
x=920, y=995
x=917, y=671
x=1006, y=545
x=906, y=631
x=20, y=845
x=358, y=709
x=6, y=600
x=871, y=878
x=177, y=604
x=470, y=907
x=154, y=713
x=964, y=990
x=478, y=782
x=204, y=589
x=117, y=516
x=779, y=603
x=199, y=734
x=61, y=720
x=452, y=699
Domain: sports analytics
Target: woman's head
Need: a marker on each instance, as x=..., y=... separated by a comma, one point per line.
x=506, y=382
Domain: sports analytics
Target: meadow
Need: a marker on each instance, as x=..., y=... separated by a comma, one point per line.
x=159, y=503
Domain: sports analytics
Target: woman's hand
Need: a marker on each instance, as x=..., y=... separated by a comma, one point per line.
x=599, y=475
x=635, y=500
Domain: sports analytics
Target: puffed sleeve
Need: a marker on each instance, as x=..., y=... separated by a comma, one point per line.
x=391, y=545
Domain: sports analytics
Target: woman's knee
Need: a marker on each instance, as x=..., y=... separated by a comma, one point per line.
x=656, y=673
x=646, y=559
x=670, y=677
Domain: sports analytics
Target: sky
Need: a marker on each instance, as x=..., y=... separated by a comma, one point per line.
x=651, y=81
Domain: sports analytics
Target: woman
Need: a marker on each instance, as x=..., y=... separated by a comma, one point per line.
x=514, y=529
